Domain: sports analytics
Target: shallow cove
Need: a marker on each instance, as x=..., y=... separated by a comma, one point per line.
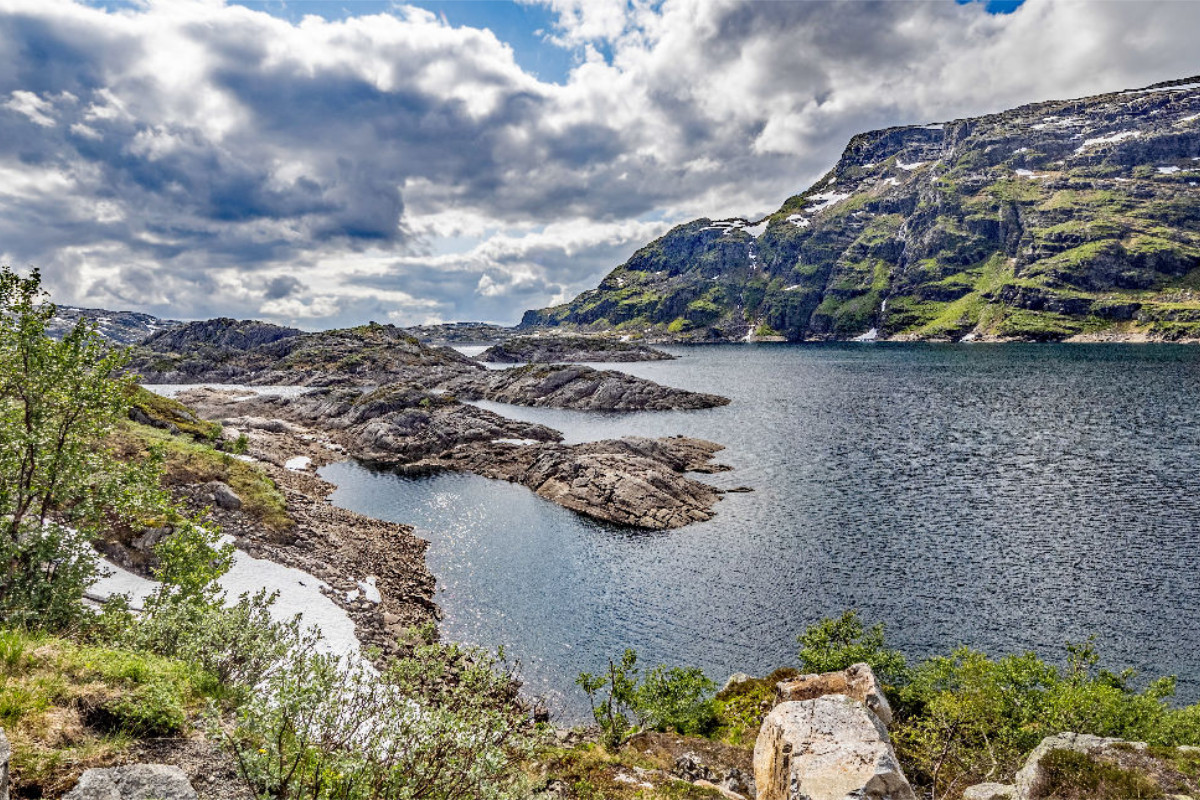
x=1009, y=497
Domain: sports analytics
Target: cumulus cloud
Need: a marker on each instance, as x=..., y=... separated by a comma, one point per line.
x=191, y=158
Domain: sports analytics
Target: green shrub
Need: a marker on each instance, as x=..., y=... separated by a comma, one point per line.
x=60, y=486
x=667, y=699
x=440, y=724
x=966, y=718
x=835, y=644
x=676, y=698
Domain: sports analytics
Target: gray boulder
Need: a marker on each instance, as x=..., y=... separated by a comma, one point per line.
x=1030, y=775
x=827, y=748
x=223, y=495
x=133, y=782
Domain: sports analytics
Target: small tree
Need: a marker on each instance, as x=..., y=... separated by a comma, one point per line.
x=58, y=482
x=676, y=699
x=834, y=644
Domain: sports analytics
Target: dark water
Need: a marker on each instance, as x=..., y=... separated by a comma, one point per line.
x=1009, y=497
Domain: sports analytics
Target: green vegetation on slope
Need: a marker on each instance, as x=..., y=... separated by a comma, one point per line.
x=80, y=686
x=1031, y=224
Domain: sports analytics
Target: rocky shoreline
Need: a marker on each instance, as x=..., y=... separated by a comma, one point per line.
x=635, y=481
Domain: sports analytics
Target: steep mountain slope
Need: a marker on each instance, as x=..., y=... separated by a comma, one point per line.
x=1053, y=220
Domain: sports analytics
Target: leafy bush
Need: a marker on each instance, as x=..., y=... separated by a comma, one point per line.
x=187, y=618
x=835, y=644
x=966, y=718
x=667, y=699
x=676, y=698
x=440, y=724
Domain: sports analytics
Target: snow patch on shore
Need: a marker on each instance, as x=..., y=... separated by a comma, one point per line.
x=299, y=593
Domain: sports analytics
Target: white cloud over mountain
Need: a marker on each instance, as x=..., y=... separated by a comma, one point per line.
x=192, y=159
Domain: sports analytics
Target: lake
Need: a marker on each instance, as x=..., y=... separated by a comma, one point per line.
x=1009, y=497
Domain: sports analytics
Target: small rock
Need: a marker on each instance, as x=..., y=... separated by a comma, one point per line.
x=735, y=679
x=133, y=782
x=223, y=495
x=990, y=791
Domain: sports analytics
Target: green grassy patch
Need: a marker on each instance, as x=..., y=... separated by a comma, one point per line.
x=66, y=707
x=590, y=772
x=187, y=462
x=741, y=707
x=1069, y=775
x=168, y=411
x=1038, y=325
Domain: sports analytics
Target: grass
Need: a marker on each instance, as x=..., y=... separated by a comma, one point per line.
x=741, y=707
x=1070, y=775
x=590, y=772
x=189, y=462
x=66, y=707
x=172, y=412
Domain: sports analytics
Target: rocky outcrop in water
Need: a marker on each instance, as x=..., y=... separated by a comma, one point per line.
x=1075, y=218
x=569, y=349
x=256, y=353
x=578, y=387
x=637, y=482
x=633, y=481
x=394, y=424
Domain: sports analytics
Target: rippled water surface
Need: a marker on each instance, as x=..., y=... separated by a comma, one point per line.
x=1010, y=497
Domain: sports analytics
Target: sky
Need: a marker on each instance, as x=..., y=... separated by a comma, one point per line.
x=323, y=164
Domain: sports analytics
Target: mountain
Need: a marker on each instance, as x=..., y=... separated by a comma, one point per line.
x=121, y=327
x=1077, y=218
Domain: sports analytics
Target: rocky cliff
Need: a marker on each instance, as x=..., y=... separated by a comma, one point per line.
x=1077, y=218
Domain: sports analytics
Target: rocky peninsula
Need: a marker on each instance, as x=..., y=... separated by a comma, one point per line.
x=638, y=482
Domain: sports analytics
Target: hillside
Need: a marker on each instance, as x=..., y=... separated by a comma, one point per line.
x=247, y=351
x=1076, y=218
x=121, y=327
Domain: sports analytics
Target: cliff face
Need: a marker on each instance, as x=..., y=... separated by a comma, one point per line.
x=1052, y=220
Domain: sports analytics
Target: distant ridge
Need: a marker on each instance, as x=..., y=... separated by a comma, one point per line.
x=121, y=327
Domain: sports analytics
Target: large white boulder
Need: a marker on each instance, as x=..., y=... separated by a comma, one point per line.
x=827, y=748
x=856, y=681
